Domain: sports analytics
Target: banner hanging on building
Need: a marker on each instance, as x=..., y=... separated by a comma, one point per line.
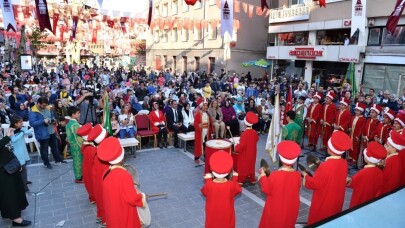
x=392, y=21
x=43, y=16
x=358, y=16
x=8, y=16
x=226, y=17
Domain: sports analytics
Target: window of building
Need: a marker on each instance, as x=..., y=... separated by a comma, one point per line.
x=165, y=9
x=293, y=38
x=157, y=36
x=157, y=11
x=174, y=35
x=212, y=2
x=184, y=63
x=175, y=7
x=197, y=63
x=295, y=2
x=198, y=5
x=174, y=62
x=185, y=7
x=334, y=37
x=380, y=36
x=211, y=65
x=212, y=33
x=197, y=34
x=184, y=34
x=165, y=36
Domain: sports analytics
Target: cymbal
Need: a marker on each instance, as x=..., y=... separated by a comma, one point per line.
x=313, y=162
x=265, y=166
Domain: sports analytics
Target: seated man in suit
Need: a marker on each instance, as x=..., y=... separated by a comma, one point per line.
x=175, y=122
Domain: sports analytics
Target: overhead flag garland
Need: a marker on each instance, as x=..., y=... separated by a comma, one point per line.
x=8, y=16
x=226, y=17
x=43, y=15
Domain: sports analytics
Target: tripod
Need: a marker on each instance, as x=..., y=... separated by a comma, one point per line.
x=92, y=111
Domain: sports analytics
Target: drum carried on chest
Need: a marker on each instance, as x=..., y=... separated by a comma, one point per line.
x=212, y=146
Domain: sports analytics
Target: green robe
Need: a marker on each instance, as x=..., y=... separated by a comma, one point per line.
x=75, y=143
x=299, y=117
x=292, y=131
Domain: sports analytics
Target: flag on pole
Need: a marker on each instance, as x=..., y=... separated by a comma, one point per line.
x=393, y=20
x=106, y=117
x=350, y=76
x=274, y=136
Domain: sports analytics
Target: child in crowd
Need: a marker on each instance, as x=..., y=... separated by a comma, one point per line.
x=114, y=124
x=20, y=148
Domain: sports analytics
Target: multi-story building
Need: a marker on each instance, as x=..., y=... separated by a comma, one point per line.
x=190, y=38
x=317, y=43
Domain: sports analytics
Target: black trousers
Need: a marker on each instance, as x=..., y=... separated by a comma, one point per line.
x=162, y=132
x=176, y=131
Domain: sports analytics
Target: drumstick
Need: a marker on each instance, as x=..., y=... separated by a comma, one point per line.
x=156, y=195
x=229, y=130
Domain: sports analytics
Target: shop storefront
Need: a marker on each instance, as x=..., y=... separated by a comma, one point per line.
x=324, y=64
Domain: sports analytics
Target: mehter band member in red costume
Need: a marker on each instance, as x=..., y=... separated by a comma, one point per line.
x=327, y=118
x=220, y=192
x=247, y=150
x=355, y=127
x=203, y=125
x=119, y=194
x=383, y=129
x=313, y=119
x=368, y=181
x=98, y=134
x=88, y=150
x=342, y=117
x=393, y=164
x=282, y=189
x=329, y=180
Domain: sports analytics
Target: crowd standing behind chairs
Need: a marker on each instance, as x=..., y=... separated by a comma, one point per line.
x=208, y=104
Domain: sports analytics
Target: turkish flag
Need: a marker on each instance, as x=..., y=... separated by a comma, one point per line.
x=94, y=36
x=322, y=3
x=191, y=2
x=55, y=20
x=392, y=21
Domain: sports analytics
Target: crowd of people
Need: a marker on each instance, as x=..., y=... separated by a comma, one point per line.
x=67, y=105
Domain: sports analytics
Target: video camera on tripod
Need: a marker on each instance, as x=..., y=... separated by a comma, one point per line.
x=93, y=90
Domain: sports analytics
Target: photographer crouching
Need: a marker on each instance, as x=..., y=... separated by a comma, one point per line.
x=42, y=120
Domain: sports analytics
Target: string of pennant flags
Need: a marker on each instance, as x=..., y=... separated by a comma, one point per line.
x=80, y=22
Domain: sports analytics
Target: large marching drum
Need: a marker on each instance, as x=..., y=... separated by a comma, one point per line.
x=212, y=146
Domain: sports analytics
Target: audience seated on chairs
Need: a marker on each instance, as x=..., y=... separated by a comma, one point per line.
x=188, y=117
x=216, y=114
x=126, y=120
x=158, y=125
x=175, y=122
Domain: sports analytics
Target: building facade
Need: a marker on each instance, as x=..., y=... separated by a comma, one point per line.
x=319, y=43
x=188, y=38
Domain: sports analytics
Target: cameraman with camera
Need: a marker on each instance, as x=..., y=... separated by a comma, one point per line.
x=88, y=104
x=42, y=120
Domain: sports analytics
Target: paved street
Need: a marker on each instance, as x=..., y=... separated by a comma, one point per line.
x=170, y=170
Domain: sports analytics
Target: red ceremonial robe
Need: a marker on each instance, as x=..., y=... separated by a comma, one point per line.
x=314, y=112
x=282, y=189
x=198, y=140
x=89, y=152
x=99, y=168
x=121, y=199
x=219, y=205
x=342, y=120
x=366, y=184
x=392, y=174
x=247, y=149
x=328, y=117
x=402, y=158
x=382, y=132
x=329, y=185
x=369, y=129
x=153, y=118
x=356, y=126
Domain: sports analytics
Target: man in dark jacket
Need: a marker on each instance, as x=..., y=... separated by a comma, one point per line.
x=42, y=120
x=175, y=122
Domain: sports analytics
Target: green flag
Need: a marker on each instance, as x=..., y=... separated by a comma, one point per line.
x=106, y=117
x=351, y=77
